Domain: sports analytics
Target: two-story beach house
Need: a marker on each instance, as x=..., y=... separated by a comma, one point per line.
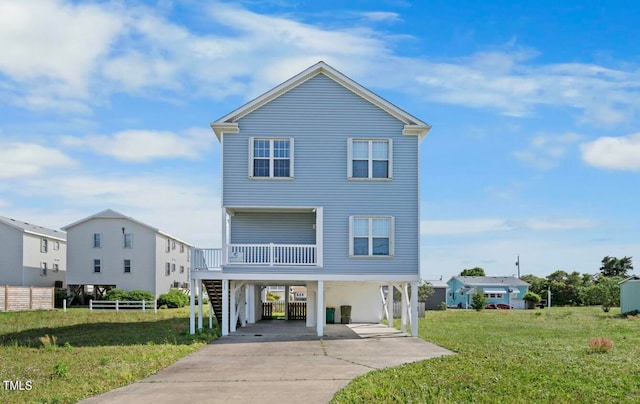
x=110, y=250
x=320, y=188
x=31, y=255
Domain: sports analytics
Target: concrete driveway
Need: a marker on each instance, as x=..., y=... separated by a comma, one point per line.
x=277, y=362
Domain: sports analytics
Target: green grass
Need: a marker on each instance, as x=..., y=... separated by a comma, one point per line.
x=78, y=354
x=519, y=356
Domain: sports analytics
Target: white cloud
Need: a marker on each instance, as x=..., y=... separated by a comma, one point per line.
x=613, y=153
x=53, y=45
x=141, y=146
x=386, y=16
x=28, y=159
x=490, y=225
x=176, y=205
x=546, y=151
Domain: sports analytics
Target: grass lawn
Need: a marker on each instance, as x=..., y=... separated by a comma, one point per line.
x=74, y=355
x=518, y=356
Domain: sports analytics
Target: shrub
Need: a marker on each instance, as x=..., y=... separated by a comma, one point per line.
x=61, y=369
x=532, y=297
x=478, y=301
x=173, y=299
x=115, y=294
x=139, y=295
x=442, y=306
x=600, y=344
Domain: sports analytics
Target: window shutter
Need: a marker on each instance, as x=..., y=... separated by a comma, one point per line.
x=349, y=159
x=392, y=235
x=350, y=235
x=390, y=159
x=251, y=157
x=291, y=158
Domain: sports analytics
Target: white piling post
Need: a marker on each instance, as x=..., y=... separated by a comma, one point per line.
x=90, y=304
x=155, y=305
x=143, y=308
x=117, y=306
x=64, y=305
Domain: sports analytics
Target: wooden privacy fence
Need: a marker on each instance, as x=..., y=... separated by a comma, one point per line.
x=118, y=305
x=297, y=310
x=18, y=298
x=397, y=309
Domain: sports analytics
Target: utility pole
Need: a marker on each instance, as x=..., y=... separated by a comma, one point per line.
x=518, y=265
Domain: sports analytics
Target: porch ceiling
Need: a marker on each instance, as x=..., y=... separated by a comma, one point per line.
x=233, y=209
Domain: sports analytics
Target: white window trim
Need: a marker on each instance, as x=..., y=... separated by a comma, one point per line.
x=370, y=159
x=99, y=265
x=56, y=245
x=391, y=236
x=43, y=269
x=167, y=269
x=93, y=240
x=124, y=265
x=44, y=245
x=124, y=243
x=271, y=158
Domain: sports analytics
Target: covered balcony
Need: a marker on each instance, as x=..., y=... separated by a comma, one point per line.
x=272, y=237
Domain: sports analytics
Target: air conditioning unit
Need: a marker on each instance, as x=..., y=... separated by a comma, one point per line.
x=237, y=257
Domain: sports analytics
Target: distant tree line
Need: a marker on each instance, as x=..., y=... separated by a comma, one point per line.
x=575, y=289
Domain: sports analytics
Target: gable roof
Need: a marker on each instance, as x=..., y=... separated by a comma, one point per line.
x=112, y=214
x=228, y=123
x=33, y=228
x=631, y=278
x=490, y=280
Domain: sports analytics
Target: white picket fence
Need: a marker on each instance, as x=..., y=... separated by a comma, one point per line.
x=118, y=305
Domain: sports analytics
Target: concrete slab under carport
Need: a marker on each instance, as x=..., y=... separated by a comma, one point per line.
x=277, y=361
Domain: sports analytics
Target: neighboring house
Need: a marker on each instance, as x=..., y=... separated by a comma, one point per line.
x=31, y=255
x=110, y=250
x=497, y=289
x=299, y=293
x=438, y=296
x=320, y=188
x=630, y=294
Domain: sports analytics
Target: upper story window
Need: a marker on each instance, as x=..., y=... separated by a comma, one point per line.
x=370, y=159
x=127, y=266
x=271, y=158
x=97, y=265
x=97, y=240
x=56, y=245
x=56, y=267
x=371, y=236
x=128, y=240
x=43, y=269
x=181, y=248
x=168, y=245
x=167, y=269
x=44, y=245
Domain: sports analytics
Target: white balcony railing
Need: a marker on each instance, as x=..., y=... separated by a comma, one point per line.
x=272, y=254
x=206, y=258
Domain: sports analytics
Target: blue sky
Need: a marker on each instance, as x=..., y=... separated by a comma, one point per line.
x=534, y=151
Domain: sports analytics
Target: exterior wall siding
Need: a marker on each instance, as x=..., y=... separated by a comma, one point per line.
x=321, y=115
x=33, y=258
x=629, y=296
x=273, y=227
x=174, y=257
x=10, y=255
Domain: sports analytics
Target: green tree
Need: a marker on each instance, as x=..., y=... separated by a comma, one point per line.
x=565, y=287
x=612, y=266
x=475, y=271
x=605, y=292
x=538, y=285
x=478, y=301
x=425, y=289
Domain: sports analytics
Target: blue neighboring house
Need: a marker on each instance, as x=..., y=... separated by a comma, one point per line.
x=507, y=290
x=320, y=188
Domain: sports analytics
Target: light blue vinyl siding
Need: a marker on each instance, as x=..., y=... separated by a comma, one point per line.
x=321, y=116
x=273, y=227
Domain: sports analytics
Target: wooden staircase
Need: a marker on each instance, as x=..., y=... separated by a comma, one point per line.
x=214, y=291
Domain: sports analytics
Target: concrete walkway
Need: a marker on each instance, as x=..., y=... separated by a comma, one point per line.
x=277, y=362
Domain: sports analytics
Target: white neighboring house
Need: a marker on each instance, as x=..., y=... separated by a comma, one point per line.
x=111, y=250
x=31, y=255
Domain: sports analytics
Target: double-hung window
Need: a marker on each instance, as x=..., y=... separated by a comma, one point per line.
x=56, y=267
x=371, y=236
x=167, y=269
x=97, y=265
x=128, y=240
x=97, y=240
x=44, y=245
x=43, y=269
x=271, y=158
x=127, y=266
x=370, y=159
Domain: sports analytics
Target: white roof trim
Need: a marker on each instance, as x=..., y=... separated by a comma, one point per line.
x=413, y=125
